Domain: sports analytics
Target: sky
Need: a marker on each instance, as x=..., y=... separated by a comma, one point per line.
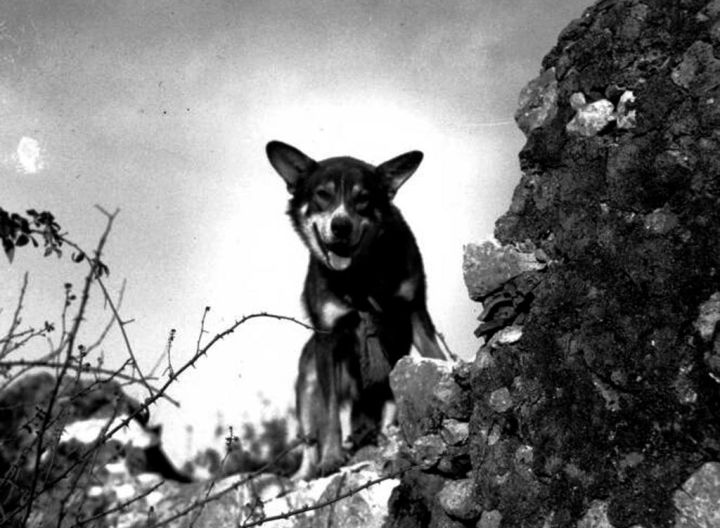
x=162, y=109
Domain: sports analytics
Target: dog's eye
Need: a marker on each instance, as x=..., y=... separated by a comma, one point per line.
x=362, y=202
x=323, y=196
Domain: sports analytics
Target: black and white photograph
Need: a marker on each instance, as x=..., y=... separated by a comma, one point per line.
x=374, y=263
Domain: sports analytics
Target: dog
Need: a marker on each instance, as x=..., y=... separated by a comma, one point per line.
x=364, y=293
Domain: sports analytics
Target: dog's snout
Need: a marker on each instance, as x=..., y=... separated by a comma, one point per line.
x=341, y=226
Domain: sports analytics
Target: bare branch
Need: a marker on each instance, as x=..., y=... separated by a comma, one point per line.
x=95, y=265
x=72, y=335
x=233, y=487
x=121, y=506
x=329, y=502
x=202, y=328
x=160, y=393
x=84, y=368
x=121, y=325
x=16, y=318
x=168, y=347
x=109, y=325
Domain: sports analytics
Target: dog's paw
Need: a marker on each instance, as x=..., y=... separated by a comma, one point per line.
x=303, y=474
x=307, y=471
x=330, y=465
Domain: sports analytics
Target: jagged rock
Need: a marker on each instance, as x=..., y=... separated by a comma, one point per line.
x=425, y=393
x=660, y=221
x=428, y=450
x=486, y=267
x=712, y=360
x=524, y=455
x=577, y=101
x=483, y=360
x=490, y=519
x=698, y=501
x=698, y=66
x=454, y=432
x=592, y=118
x=457, y=498
x=709, y=316
x=596, y=516
x=500, y=400
x=625, y=115
x=507, y=336
x=414, y=502
x=537, y=102
x=710, y=12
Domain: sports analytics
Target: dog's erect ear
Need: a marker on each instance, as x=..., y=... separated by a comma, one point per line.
x=289, y=162
x=397, y=170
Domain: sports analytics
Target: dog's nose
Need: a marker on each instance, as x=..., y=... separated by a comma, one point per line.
x=341, y=226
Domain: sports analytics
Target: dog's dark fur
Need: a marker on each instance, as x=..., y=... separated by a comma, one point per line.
x=364, y=292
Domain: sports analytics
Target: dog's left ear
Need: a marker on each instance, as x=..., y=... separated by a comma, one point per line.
x=397, y=170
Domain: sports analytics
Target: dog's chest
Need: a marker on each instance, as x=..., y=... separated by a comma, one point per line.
x=331, y=310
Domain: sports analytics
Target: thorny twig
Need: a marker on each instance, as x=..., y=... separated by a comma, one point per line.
x=121, y=506
x=108, y=326
x=10, y=378
x=161, y=393
x=329, y=502
x=85, y=368
x=85, y=465
x=211, y=487
x=168, y=349
x=67, y=343
x=250, y=476
x=121, y=324
x=68, y=358
x=16, y=318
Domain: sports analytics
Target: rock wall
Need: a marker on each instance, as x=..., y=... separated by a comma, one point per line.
x=595, y=397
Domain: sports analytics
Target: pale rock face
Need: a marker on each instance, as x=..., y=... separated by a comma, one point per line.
x=698, y=501
x=592, y=118
x=537, y=104
x=708, y=317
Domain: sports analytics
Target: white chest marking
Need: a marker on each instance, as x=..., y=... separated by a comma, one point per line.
x=331, y=311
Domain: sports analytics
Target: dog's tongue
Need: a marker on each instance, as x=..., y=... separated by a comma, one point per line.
x=337, y=262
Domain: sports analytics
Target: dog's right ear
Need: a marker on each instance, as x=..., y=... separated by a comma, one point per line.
x=289, y=162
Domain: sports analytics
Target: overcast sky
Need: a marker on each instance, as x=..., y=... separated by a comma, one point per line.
x=162, y=109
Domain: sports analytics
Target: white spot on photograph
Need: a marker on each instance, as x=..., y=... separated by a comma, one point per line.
x=28, y=156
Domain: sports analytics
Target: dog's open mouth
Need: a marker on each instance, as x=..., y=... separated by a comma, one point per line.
x=338, y=255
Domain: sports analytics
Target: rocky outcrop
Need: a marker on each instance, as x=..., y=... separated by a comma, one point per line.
x=243, y=500
x=434, y=409
x=597, y=386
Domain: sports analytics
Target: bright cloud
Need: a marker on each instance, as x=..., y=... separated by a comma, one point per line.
x=28, y=156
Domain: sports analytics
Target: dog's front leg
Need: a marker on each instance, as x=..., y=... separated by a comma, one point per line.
x=329, y=373
x=310, y=410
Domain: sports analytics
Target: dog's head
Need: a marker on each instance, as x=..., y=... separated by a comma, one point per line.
x=338, y=204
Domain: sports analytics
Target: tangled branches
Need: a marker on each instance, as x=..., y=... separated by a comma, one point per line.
x=38, y=472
